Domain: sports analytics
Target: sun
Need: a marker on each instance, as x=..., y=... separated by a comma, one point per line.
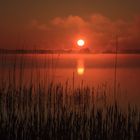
x=80, y=42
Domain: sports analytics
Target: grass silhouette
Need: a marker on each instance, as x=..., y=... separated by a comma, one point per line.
x=58, y=112
x=53, y=111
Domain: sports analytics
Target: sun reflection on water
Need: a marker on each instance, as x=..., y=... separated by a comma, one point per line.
x=80, y=71
x=80, y=67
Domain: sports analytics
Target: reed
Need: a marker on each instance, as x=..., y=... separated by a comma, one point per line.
x=58, y=112
x=51, y=111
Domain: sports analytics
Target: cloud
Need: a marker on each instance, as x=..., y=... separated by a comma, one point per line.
x=98, y=30
x=34, y=24
x=70, y=21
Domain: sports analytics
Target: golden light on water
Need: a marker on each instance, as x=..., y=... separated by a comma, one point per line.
x=80, y=67
x=80, y=70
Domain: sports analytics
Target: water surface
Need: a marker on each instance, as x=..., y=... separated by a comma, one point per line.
x=88, y=69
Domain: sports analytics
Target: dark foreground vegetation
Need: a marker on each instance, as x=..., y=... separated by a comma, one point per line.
x=60, y=112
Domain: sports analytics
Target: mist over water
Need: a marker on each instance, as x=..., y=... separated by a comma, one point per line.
x=88, y=69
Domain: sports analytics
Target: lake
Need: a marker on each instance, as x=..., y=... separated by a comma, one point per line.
x=93, y=70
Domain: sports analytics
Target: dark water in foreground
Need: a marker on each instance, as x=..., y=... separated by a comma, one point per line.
x=91, y=70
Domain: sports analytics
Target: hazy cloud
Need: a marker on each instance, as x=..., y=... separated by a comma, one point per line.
x=99, y=32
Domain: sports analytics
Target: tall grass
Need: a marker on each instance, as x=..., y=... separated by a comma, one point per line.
x=58, y=112
x=62, y=111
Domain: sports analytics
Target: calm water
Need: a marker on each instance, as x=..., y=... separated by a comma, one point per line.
x=89, y=69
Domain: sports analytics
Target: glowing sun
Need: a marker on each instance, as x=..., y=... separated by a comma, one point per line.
x=80, y=42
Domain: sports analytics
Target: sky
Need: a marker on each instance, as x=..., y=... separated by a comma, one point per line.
x=45, y=24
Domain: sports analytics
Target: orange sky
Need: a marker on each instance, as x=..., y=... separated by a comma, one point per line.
x=59, y=23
